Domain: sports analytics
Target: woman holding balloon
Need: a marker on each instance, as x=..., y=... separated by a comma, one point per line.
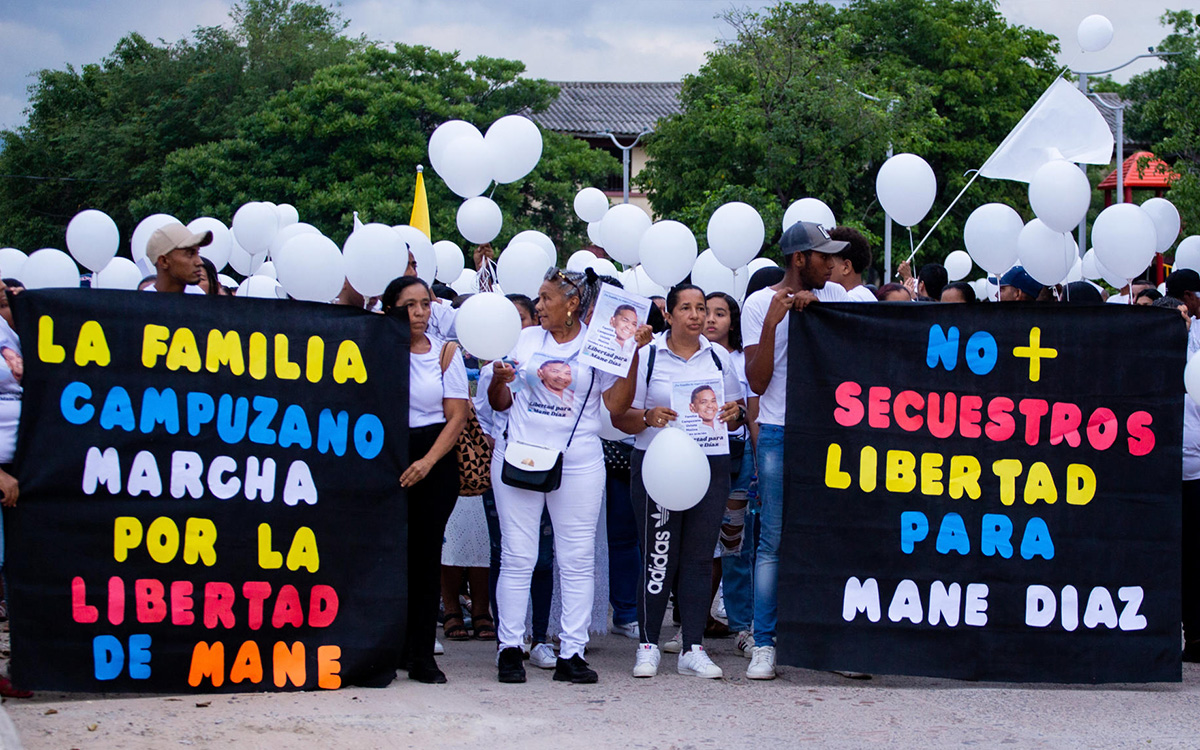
x=679, y=540
x=549, y=456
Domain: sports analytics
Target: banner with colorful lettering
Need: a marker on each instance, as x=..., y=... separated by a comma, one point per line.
x=985, y=492
x=209, y=495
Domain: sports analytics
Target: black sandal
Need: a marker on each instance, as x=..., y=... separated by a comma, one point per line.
x=455, y=627
x=485, y=628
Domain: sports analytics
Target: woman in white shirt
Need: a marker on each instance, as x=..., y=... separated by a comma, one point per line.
x=570, y=425
x=679, y=541
x=437, y=411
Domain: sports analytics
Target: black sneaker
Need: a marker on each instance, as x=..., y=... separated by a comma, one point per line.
x=427, y=672
x=509, y=666
x=574, y=670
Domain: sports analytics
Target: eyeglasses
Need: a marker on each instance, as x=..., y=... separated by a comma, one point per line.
x=563, y=276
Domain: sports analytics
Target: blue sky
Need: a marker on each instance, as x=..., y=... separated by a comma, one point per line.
x=620, y=40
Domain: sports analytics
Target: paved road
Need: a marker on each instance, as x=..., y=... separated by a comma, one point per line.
x=800, y=709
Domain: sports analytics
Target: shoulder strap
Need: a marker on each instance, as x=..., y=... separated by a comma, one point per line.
x=717, y=360
x=447, y=356
x=583, y=406
x=650, y=363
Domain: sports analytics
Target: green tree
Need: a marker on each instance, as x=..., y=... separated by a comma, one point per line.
x=349, y=139
x=776, y=109
x=98, y=137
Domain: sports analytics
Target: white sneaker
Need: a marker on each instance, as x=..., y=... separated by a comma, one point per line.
x=718, y=608
x=696, y=663
x=646, y=664
x=744, y=644
x=629, y=630
x=762, y=664
x=438, y=648
x=675, y=645
x=542, y=656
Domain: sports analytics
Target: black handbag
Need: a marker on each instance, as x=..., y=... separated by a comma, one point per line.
x=532, y=467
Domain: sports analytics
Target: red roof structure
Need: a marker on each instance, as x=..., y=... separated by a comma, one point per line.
x=1156, y=175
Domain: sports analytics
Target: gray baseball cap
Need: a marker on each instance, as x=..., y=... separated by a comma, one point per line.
x=806, y=235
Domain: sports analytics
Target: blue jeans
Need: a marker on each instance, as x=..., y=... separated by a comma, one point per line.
x=624, y=557
x=770, y=528
x=737, y=571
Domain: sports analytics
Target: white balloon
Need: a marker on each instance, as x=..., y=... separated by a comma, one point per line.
x=605, y=267
x=255, y=225
x=467, y=167
x=12, y=261
x=741, y=279
x=242, y=261
x=120, y=273
x=375, y=254
x=48, y=268
x=467, y=282
x=958, y=265
x=521, y=268
x=227, y=281
x=311, y=267
x=809, y=209
x=488, y=324
x=1124, y=237
x=591, y=204
x=641, y=283
x=581, y=260
x=1094, y=33
x=516, y=147
x=450, y=261
x=145, y=228
x=668, y=251
x=261, y=287
x=221, y=246
x=711, y=275
x=479, y=220
x=1045, y=254
x=287, y=233
x=1088, y=267
x=1191, y=377
x=735, y=234
x=444, y=135
x=1187, y=255
x=1166, y=222
x=990, y=235
x=1076, y=272
x=622, y=228
x=422, y=250
x=93, y=238
x=757, y=265
x=906, y=187
x=594, y=233
x=675, y=470
x=287, y=215
x=1059, y=194
x=267, y=269
x=541, y=239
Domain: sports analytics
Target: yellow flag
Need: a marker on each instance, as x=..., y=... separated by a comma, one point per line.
x=420, y=212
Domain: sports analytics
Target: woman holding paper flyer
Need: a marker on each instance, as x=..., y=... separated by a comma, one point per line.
x=679, y=541
x=549, y=456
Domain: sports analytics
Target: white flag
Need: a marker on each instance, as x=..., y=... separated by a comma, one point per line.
x=1062, y=124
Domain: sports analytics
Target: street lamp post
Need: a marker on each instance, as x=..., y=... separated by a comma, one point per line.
x=625, y=156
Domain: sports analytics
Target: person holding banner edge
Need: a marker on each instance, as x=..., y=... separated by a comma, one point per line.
x=437, y=413
x=571, y=432
x=810, y=254
x=679, y=541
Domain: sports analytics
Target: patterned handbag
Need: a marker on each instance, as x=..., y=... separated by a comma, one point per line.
x=474, y=452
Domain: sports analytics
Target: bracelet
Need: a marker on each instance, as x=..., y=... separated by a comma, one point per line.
x=741, y=413
x=644, y=420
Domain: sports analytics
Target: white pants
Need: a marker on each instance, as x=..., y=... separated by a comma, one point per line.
x=574, y=512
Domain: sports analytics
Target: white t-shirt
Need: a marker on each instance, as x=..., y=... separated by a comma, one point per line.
x=10, y=394
x=189, y=289
x=860, y=293
x=739, y=364
x=551, y=392
x=493, y=422
x=442, y=317
x=773, y=403
x=669, y=368
x=427, y=386
x=1191, y=416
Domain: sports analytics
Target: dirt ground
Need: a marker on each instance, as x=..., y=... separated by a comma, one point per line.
x=801, y=708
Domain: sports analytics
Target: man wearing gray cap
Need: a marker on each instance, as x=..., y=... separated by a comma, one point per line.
x=174, y=251
x=809, y=255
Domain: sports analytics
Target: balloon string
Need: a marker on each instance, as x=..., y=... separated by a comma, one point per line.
x=494, y=186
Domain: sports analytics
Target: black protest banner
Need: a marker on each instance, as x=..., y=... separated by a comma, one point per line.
x=209, y=495
x=984, y=492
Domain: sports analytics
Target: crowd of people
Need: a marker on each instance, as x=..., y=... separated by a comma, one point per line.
x=569, y=441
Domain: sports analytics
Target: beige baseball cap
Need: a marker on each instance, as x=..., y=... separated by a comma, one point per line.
x=172, y=237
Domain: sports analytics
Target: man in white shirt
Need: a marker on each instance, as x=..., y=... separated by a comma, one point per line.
x=810, y=254
x=849, y=264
